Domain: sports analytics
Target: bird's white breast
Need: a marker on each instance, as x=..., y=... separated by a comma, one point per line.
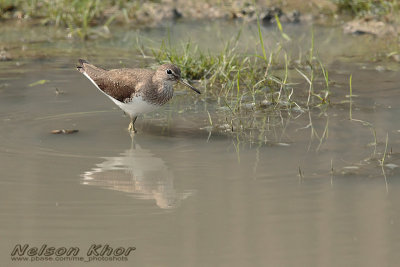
x=137, y=106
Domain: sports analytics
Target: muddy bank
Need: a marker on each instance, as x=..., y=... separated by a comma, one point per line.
x=151, y=13
x=88, y=19
x=371, y=26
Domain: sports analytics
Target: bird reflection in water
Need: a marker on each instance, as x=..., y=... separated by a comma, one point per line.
x=139, y=173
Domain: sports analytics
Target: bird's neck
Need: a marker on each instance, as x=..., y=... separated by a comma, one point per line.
x=167, y=86
x=163, y=91
x=166, y=90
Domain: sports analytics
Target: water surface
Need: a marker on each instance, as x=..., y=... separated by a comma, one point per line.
x=183, y=196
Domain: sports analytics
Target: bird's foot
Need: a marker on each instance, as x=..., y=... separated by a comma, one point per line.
x=131, y=128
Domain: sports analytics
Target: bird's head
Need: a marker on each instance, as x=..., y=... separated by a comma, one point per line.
x=171, y=73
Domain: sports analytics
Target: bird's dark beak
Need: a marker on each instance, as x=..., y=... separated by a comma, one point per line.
x=188, y=85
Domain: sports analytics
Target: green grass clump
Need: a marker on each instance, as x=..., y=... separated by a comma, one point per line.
x=229, y=73
x=80, y=16
x=368, y=7
x=253, y=86
x=256, y=74
x=194, y=63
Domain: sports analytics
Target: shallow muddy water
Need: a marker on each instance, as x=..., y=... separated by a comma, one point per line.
x=184, y=196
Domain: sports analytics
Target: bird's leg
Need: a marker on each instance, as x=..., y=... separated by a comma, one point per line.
x=131, y=127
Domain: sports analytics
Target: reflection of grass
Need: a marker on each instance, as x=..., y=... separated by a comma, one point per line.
x=382, y=162
x=373, y=130
x=365, y=123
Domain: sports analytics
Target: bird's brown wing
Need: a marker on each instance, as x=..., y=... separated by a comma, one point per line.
x=120, y=84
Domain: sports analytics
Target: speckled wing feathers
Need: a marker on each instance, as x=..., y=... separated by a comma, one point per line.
x=121, y=84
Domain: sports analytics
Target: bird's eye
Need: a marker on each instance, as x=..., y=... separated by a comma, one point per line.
x=169, y=71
